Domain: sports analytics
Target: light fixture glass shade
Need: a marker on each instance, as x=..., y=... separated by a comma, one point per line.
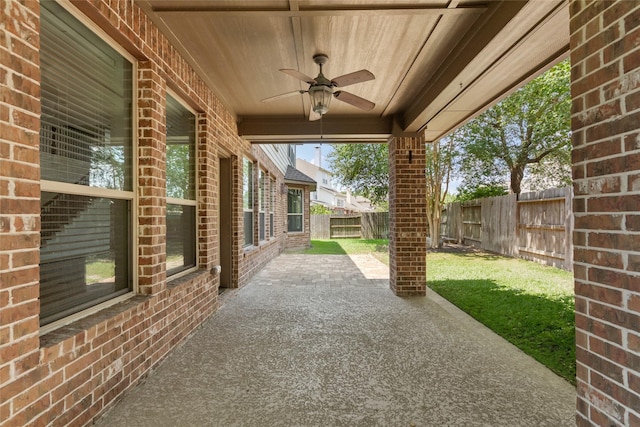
x=320, y=98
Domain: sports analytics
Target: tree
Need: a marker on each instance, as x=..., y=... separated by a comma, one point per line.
x=480, y=192
x=320, y=210
x=530, y=127
x=364, y=168
x=439, y=162
x=179, y=180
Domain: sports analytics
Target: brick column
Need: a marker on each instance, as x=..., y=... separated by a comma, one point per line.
x=152, y=190
x=19, y=208
x=605, y=56
x=207, y=175
x=407, y=216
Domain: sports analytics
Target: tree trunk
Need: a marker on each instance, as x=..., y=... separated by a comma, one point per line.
x=434, y=218
x=517, y=173
x=434, y=232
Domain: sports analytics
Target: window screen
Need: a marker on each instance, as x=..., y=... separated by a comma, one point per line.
x=294, y=210
x=247, y=200
x=262, y=206
x=181, y=205
x=85, y=141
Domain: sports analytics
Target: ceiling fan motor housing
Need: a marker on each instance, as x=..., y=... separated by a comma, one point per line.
x=320, y=59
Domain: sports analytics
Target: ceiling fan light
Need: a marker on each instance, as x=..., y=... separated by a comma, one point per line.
x=320, y=97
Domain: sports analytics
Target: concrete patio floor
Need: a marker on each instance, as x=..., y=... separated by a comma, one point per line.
x=321, y=341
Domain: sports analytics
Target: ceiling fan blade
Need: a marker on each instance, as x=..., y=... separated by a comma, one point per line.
x=313, y=116
x=353, y=78
x=298, y=75
x=354, y=100
x=282, y=95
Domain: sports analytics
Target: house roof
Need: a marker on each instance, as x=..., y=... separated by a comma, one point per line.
x=310, y=167
x=294, y=176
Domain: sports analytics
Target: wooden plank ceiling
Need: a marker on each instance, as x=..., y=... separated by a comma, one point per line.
x=436, y=63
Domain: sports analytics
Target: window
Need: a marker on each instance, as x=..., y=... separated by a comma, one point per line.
x=295, y=210
x=272, y=207
x=247, y=200
x=86, y=146
x=292, y=154
x=181, y=203
x=262, y=204
x=340, y=203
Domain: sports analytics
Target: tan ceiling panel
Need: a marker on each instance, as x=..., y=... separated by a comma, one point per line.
x=434, y=60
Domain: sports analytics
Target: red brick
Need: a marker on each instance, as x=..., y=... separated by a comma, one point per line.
x=25, y=327
x=600, y=222
x=626, y=203
x=614, y=390
x=599, y=364
x=615, y=316
x=634, y=342
x=25, y=293
x=618, y=279
x=600, y=258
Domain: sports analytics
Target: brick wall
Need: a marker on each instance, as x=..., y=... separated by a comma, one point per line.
x=19, y=204
x=407, y=216
x=605, y=56
x=152, y=207
x=71, y=375
x=253, y=258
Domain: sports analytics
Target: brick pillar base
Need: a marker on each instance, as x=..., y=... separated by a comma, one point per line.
x=407, y=216
x=605, y=87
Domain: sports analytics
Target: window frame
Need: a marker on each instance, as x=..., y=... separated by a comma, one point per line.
x=291, y=214
x=272, y=207
x=262, y=204
x=247, y=208
x=187, y=202
x=88, y=191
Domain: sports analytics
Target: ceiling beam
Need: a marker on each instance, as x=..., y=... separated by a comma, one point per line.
x=359, y=11
x=498, y=16
x=267, y=130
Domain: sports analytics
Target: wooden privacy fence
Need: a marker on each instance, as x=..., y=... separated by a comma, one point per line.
x=367, y=225
x=536, y=227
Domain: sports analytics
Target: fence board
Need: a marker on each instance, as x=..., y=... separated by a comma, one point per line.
x=320, y=227
x=498, y=229
x=345, y=226
x=471, y=223
x=375, y=225
x=543, y=222
x=537, y=227
x=368, y=225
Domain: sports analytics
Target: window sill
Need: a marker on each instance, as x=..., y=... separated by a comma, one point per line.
x=62, y=329
x=181, y=274
x=185, y=276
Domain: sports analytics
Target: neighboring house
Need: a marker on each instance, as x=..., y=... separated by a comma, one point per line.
x=134, y=200
x=326, y=194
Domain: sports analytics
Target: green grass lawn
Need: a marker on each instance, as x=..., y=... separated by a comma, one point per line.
x=378, y=247
x=528, y=304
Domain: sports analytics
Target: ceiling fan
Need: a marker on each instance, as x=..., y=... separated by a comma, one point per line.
x=321, y=89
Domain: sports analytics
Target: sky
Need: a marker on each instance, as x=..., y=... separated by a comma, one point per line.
x=307, y=152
